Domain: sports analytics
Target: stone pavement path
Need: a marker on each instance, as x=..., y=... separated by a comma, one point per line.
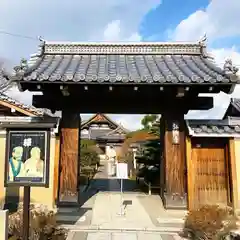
x=125, y=236
x=107, y=224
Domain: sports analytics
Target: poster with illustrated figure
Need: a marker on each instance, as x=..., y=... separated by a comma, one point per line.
x=27, y=161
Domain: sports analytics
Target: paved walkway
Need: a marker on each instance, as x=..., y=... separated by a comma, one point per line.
x=121, y=236
x=102, y=220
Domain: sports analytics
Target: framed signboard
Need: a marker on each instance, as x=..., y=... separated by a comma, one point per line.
x=122, y=171
x=27, y=158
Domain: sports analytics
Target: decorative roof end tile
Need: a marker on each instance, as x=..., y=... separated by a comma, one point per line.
x=203, y=40
x=22, y=68
x=229, y=68
x=41, y=47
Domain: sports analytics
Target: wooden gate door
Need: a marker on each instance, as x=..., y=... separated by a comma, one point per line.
x=210, y=171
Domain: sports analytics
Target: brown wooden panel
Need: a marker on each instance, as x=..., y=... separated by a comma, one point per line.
x=210, y=171
x=69, y=160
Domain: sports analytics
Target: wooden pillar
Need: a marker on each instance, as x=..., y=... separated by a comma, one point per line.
x=69, y=157
x=190, y=174
x=56, y=168
x=174, y=161
x=162, y=159
x=233, y=175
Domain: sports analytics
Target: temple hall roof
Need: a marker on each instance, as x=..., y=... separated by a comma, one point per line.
x=103, y=134
x=97, y=133
x=138, y=63
x=98, y=119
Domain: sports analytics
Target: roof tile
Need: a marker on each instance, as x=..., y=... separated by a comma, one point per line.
x=224, y=127
x=161, y=63
x=32, y=109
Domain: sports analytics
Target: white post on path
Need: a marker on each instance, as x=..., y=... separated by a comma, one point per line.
x=122, y=173
x=121, y=204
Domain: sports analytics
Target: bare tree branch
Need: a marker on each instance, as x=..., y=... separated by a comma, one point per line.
x=5, y=79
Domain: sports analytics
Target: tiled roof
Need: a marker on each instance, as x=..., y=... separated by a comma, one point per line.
x=233, y=108
x=29, y=108
x=236, y=103
x=118, y=133
x=119, y=130
x=104, y=134
x=98, y=118
x=95, y=133
x=160, y=63
x=229, y=127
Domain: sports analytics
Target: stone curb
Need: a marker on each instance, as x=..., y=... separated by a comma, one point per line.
x=99, y=228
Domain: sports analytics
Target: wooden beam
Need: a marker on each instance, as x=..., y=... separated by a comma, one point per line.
x=19, y=109
x=233, y=173
x=121, y=104
x=200, y=88
x=190, y=177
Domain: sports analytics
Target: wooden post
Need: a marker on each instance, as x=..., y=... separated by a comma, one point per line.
x=56, y=168
x=190, y=177
x=149, y=188
x=69, y=158
x=26, y=212
x=162, y=159
x=233, y=172
x=175, y=161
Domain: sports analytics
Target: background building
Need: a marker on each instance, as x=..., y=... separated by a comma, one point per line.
x=104, y=131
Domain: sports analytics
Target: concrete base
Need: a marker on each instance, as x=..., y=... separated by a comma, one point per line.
x=4, y=224
x=174, y=201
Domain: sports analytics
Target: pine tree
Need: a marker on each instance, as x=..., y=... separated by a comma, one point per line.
x=150, y=154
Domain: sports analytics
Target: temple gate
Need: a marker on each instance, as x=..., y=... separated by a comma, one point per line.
x=129, y=78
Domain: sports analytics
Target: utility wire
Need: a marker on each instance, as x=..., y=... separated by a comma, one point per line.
x=38, y=38
x=19, y=35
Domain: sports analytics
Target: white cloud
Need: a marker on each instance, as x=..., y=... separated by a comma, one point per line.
x=219, y=19
x=221, y=100
x=113, y=32
x=69, y=20
x=221, y=54
x=130, y=122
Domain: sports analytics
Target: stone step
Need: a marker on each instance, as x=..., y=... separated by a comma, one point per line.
x=70, y=219
x=170, y=220
x=93, y=228
x=68, y=210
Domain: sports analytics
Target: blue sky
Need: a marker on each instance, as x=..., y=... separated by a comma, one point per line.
x=122, y=20
x=167, y=15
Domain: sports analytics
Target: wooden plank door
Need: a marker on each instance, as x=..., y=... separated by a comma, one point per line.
x=210, y=171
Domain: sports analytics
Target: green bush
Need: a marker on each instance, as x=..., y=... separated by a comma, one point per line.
x=43, y=224
x=152, y=177
x=86, y=143
x=89, y=157
x=211, y=222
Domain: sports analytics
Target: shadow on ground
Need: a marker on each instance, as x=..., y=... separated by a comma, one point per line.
x=82, y=214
